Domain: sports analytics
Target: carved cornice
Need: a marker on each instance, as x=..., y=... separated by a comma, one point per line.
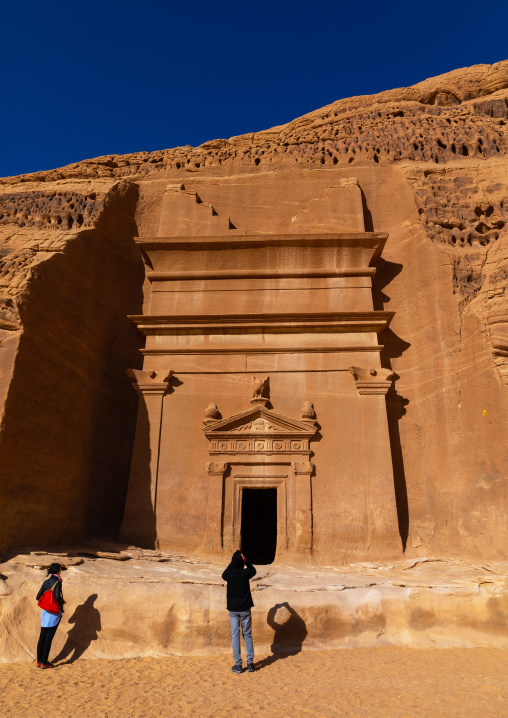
x=260, y=274
x=370, y=240
x=374, y=382
x=149, y=381
x=266, y=323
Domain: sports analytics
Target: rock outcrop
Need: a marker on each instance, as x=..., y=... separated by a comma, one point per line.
x=153, y=604
x=431, y=161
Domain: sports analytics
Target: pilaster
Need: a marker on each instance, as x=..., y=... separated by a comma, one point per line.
x=213, y=528
x=140, y=508
x=372, y=385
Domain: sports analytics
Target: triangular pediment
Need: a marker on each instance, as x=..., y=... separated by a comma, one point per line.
x=260, y=421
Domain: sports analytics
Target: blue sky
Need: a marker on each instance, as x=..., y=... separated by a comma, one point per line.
x=82, y=79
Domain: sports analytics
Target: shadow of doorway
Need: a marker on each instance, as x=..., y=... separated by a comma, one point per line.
x=87, y=623
x=290, y=633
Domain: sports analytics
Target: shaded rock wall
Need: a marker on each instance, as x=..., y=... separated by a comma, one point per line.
x=67, y=425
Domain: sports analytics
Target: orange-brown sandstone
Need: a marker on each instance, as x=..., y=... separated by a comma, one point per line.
x=425, y=165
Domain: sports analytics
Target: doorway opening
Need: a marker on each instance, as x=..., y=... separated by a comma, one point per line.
x=259, y=525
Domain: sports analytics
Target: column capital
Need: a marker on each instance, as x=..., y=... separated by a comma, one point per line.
x=148, y=381
x=215, y=468
x=372, y=382
x=303, y=468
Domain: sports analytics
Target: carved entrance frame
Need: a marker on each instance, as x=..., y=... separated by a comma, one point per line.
x=274, y=447
x=239, y=483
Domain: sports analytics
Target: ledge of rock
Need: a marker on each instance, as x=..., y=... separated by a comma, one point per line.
x=154, y=604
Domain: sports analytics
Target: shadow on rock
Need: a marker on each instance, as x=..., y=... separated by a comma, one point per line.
x=87, y=623
x=290, y=633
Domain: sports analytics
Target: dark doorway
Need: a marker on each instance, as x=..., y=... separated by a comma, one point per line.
x=259, y=525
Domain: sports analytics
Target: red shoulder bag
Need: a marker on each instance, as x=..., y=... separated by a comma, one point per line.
x=48, y=601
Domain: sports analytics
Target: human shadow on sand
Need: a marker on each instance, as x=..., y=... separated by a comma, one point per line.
x=87, y=623
x=290, y=633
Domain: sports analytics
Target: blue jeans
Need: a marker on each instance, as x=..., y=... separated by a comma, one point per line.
x=244, y=618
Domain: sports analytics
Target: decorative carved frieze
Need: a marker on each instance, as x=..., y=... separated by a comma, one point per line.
x=149, y=381
x=375, y=382
x=260, y=431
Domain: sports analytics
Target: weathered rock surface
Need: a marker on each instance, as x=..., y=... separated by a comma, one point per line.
x=431, y=161
x=156, y=605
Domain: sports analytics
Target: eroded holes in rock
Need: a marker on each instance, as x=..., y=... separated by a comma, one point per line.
x=335, y=160
x=465, y=151
x=178, y=165
x=376, y=158
x=322, y=160
x=351, y=159
x=259, y=525
x=453, y=149
x=441, y=144
x=79, y=219
x=59, y=220
x=257, y=161
x=415, y=146
x=70, y=222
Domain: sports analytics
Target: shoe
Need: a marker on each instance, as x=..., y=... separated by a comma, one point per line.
x=38, y=665
x=237, y=669
x=45, y=665
x=250, y=667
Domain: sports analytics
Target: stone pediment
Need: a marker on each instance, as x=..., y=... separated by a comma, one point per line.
x=260, y=430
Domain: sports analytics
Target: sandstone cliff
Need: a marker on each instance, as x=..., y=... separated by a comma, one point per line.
x=432, y=163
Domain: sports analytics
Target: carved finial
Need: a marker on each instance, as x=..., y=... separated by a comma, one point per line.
x=212, y=414
x=260, y=390
x=308, y=411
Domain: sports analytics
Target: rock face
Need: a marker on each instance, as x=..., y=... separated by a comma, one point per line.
x=431, y=167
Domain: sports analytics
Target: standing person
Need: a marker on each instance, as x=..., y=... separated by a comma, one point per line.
x=49, y=621
x=239, y=602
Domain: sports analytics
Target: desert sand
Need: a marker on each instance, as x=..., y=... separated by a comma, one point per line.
x=380, y=682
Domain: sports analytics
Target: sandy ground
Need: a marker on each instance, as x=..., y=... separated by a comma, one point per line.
x=375, y=682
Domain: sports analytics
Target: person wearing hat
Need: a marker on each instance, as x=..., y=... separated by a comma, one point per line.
x=239, y=604
x=49, y=620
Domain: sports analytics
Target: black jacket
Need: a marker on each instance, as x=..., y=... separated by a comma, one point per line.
x=48, y=585
x=237, y=576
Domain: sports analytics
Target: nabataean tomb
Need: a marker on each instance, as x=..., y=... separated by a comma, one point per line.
x=294, y=340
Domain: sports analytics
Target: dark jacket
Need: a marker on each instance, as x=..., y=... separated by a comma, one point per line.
x=48, y=585
x=237, y=576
